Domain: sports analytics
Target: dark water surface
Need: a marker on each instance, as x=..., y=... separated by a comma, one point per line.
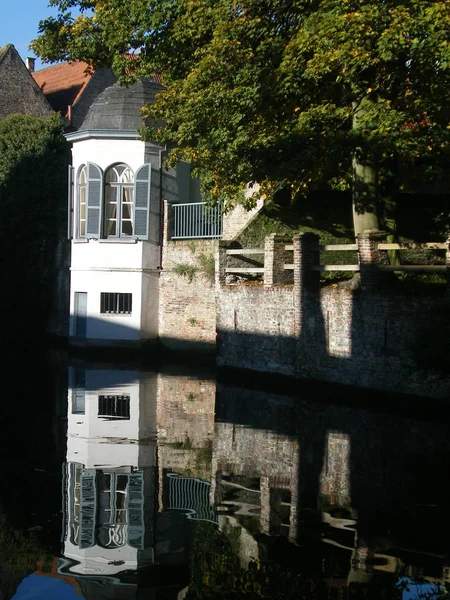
x=128, y=483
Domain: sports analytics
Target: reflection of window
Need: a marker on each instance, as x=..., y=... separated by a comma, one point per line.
x=78, y=392
x=112, y=517
x=115, y=303
x=74, y=488
x=119, y=190
x=81, y=192
x=114, y=407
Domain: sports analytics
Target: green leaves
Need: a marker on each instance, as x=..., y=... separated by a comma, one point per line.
x=265, y=90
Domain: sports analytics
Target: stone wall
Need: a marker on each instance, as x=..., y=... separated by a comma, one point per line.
x=238, y=219
x=19, y=93
x=187, y=296
x=369, y=337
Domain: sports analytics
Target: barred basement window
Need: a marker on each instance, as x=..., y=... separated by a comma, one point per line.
x=114, y=407
x=115, y=303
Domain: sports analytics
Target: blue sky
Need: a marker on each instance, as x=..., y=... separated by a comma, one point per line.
x=19, y=23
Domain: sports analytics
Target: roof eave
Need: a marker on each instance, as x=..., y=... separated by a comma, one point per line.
x=85, y=134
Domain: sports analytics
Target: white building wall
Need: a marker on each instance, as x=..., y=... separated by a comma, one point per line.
x=106, y=152
x=108, y=326
x=119, y=266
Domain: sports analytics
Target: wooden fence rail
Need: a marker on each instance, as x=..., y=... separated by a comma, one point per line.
x=242, y=253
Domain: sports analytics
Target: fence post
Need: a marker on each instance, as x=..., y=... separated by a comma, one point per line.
x=306, y=256
x=221, y=262
x=370, y=258
x=274, y=259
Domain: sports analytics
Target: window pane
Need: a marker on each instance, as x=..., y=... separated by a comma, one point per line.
x=127, y=228
x=82, y=176
x=110, y=210
x=126, y=212
x=116, y=303
x=111, y=201
x=112, y=175
x=127, y=176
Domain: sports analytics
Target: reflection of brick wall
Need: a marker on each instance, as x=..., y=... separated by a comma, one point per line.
x=335, y=477
x=185, y=424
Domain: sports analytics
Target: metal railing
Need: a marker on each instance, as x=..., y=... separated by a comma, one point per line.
x=196, y=220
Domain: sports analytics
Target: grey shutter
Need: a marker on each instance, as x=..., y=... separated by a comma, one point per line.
x=136, y=524
x=88, y=508
x=70, y=192
x=142, y=201
x=94, y=195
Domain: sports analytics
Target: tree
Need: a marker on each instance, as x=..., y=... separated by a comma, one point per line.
x=33, y=186
x=292, y=94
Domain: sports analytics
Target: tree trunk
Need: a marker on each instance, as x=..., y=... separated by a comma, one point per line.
x=365, y=192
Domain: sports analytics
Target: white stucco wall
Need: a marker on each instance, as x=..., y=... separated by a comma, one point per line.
x=106, y=152
x=107, y=326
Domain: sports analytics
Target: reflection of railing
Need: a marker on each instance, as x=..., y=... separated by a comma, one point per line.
x=192, y=495
x=196, y=220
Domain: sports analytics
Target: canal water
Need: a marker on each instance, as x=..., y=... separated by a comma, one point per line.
x=124, y=482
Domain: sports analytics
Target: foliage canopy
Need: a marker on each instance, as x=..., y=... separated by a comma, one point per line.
x=33, y=184
x=267, y=90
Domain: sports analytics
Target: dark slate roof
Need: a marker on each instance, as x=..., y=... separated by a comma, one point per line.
x=118, y=107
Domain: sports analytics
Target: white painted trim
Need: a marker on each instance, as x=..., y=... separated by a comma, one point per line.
x=116, y=270
x=86, y=134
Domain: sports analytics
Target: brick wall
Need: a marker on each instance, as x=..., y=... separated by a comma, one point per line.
x=19, y=93
x=333, y=334
x=187, y=309
x=238, y=219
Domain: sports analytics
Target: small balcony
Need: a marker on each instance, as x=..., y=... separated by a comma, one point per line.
x=196, y=221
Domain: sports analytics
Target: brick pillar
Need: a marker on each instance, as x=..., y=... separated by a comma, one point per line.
x=274, y=259
x=370, y=257
x=168, y=221
x=221, y=263
x=306, y=256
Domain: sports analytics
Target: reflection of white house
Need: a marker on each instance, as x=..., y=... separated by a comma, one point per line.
x=117, y=187
x=110, y=473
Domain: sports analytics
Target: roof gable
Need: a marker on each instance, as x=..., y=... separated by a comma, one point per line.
x=19, y=93
x=63, y=83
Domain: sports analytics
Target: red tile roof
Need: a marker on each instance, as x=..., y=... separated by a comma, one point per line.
x=63, y=84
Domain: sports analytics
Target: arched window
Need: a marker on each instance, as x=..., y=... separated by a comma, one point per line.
x=119, y=206
x=115, y=204
x=81, y=195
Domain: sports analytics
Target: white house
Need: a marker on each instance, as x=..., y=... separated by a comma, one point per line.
x=116, y=189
